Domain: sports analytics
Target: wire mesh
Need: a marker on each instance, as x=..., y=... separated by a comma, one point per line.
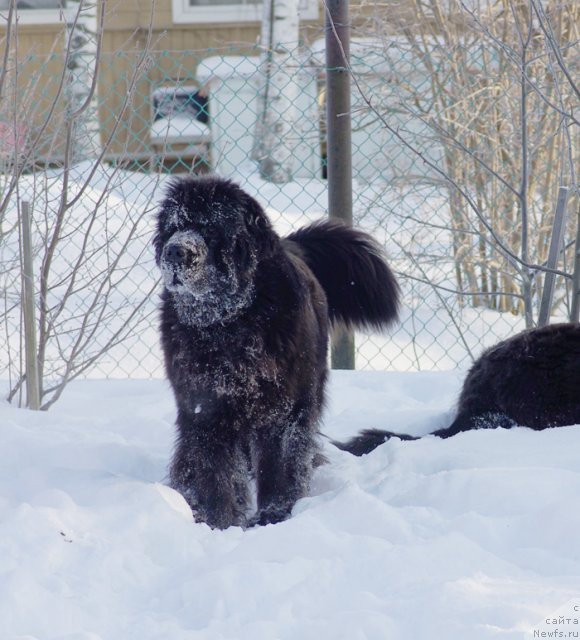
x=420, y=153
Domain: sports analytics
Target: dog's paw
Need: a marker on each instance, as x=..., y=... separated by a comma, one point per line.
x=270, y=515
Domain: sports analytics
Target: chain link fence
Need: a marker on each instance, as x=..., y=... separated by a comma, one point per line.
x=436, y=156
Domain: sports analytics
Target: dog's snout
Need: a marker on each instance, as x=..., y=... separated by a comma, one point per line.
x=184, y=251
x=175, y=253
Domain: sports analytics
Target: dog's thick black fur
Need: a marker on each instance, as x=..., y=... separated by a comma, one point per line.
x=245, y=318
x=531, y=380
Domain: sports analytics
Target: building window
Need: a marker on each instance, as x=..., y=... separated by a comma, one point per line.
x=35, y=11
x=192, y=11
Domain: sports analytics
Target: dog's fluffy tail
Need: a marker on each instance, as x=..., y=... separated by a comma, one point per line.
x=360, y=287
x=368, y=440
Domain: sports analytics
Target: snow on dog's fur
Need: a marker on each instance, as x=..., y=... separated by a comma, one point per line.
x=531, y=379
x=245, y=317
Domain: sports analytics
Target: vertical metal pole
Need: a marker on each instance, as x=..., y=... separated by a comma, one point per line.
x=555, y=248
x=29, y=312
x=575, y=312
x=339, y=150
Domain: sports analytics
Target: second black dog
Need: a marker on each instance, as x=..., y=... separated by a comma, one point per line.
x=531, y=379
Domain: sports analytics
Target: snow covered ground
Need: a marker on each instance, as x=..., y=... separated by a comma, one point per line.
x=469, y=538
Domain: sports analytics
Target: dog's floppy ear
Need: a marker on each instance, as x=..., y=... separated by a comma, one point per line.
x=169, y=212
x=260, y=228
x=157, y=246
x=158, y=238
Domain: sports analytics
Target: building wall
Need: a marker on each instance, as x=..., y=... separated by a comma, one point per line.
x=124, y=84
x=31, y=83
x=176, y=50
x=124, y=16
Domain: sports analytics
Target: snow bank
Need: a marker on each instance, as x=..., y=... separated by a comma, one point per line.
x=473, y=537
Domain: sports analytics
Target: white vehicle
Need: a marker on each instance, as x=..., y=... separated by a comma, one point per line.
x=180, y=133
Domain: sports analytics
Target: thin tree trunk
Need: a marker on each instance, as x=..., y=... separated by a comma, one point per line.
x=276, y=139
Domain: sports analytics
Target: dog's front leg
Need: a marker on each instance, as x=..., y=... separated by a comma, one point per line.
x=210, y=470
x=285, y=462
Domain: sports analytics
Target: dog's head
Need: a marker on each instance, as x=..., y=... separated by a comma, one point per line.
x=210, y=237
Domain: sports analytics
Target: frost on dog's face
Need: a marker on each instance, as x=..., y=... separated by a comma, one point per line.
x=183, y=263
x=208, y=256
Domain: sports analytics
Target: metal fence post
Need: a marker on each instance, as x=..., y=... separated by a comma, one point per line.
x=29, y=312
x=556, y=244
x=339, y=150
x=575, y=311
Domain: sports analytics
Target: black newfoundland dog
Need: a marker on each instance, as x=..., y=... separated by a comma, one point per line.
x=531, y=379
x=245, y=318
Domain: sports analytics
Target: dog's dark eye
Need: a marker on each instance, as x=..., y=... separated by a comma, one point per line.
x=215, y=250
x=213, y=244
x=241, y=252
